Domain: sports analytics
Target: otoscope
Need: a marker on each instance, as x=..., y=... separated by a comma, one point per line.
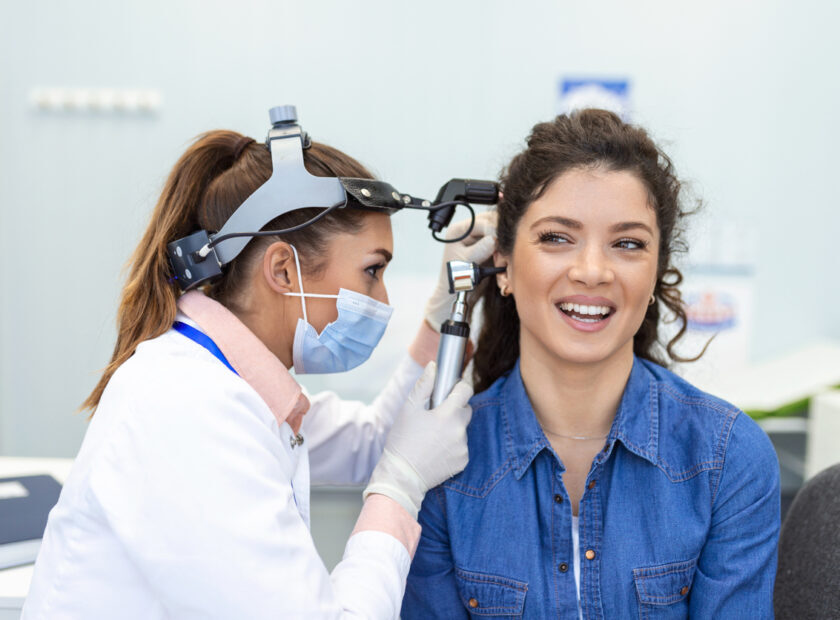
x=455, y=331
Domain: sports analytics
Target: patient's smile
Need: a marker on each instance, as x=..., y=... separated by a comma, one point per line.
x=576, y=311
x=587, y=314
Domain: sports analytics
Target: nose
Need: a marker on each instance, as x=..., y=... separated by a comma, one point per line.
x=591, y=267
x=382, y=295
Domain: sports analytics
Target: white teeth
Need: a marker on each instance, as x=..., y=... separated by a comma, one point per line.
x=582, y=309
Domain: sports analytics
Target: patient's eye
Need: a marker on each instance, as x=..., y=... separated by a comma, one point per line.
x=553, y=237
x=631, y=244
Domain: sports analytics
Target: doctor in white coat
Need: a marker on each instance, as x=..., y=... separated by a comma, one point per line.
x=189, y=497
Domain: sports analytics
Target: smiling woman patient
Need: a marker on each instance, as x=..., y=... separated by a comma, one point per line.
x=600, y=485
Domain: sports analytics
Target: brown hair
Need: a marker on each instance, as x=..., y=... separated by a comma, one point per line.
x=586, y=138
x=210, y=180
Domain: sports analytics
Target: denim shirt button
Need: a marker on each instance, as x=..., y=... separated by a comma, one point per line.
x=558, y=499
x=590, y=554
x=591, y=484
x=684, y=591
x=473, y=603
x=562, y=567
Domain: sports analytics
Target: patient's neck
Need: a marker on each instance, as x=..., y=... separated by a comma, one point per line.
x=572, y=398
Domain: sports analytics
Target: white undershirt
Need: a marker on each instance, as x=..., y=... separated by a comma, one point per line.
x=576, y=559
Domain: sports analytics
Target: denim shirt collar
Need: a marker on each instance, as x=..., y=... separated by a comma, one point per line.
x=636, y=423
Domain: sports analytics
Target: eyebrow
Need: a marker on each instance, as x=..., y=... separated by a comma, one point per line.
x=556, y=219
x=623, y=226
x=385, y=254
x=576, y=225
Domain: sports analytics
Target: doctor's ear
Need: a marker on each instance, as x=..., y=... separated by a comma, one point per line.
x=279, y=268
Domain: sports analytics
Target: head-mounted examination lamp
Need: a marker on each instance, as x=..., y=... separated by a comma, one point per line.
x=199, y=258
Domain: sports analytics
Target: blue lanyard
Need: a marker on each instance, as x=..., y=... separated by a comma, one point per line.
x=204, y=340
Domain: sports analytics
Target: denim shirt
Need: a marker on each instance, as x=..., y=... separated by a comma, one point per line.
x=680, y=514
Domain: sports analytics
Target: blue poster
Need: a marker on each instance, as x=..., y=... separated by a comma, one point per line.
x=577, y=93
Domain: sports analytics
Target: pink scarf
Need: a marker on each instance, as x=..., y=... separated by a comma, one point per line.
x=258, y=366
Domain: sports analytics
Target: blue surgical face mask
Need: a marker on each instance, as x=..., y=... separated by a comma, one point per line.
x=346, y=342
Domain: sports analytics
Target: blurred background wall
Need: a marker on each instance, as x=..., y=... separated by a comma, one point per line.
x=741, y=94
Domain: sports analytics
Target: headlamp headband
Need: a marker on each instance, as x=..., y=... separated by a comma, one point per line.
x=199, y=257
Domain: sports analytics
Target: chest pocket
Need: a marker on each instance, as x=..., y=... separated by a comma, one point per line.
x=663, y=589
x=490, y=595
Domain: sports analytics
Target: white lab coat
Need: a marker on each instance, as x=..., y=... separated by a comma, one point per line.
x=188, y=500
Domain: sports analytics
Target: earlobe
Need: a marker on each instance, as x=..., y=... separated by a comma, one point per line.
x=278, y=267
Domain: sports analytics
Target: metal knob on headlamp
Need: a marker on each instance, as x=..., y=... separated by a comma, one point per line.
x=455, y=331
x=283, y=115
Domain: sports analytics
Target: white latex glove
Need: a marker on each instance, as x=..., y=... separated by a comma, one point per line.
x=425, y=446
x=476, y=248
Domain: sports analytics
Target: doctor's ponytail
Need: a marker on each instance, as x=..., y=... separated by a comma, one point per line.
x=210, y=180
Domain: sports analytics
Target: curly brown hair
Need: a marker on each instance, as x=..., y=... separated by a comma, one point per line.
x=585, y=139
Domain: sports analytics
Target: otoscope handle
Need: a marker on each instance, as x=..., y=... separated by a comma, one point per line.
x=450, y=360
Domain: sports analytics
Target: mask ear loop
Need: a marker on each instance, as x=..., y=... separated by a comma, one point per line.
x=300, y=283
x=303, y=295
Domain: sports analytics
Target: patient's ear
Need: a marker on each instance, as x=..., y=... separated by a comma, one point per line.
x=501, y=278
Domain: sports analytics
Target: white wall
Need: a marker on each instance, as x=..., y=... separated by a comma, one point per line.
x=745, y=93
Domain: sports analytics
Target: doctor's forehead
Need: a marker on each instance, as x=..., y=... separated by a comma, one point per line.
x=373, y=237
x=378, y=234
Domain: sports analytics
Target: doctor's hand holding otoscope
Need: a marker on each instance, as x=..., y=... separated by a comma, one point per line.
x=448, y=309
x=444, y=391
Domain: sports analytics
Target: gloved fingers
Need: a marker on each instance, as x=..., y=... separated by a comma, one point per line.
x=458, y=426
x=481, y=251
x=454, y=411
x=457, y=229
x=458, y=466
x=486, y=222
x=456, y=460
x=422, y=390
x=460, y=394
x=485, y=226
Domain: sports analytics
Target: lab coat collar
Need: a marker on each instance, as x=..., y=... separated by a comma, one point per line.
x=258, y=366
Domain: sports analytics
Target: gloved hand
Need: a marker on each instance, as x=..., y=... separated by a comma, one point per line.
x=476, y=248
x=425, y=446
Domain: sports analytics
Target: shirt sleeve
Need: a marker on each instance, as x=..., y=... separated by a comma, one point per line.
x=737, y=567
x=198, y=490
x=346, y=438
x=431, y=591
